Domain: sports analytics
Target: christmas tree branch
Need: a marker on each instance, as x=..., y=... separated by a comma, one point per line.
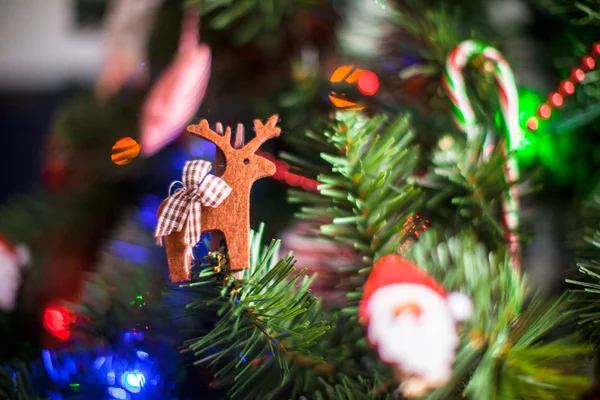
x=365, y=200
x=15, y=382
x=585, y=295
x=268, y=320
x=465, y=192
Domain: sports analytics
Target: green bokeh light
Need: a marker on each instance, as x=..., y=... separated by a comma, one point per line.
x=553, y=151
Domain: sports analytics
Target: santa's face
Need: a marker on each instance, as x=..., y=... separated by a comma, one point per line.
x=10, y=278
x=413, y=329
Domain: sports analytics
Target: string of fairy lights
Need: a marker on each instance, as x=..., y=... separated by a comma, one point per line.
x=566, y=88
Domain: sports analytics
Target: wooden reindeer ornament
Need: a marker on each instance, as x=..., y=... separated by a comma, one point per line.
x=208, y=203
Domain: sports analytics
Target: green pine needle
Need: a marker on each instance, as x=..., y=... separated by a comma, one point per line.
x=585, y=295
x=250, y=18
x=364, y=201
x=268, y=318
x=15, y=382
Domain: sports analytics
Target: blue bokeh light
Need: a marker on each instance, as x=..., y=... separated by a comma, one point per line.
x=134, y=381
x=147, y=211
x=117, y=393
x=203, y=149
x=130, y=252
x=138, y=367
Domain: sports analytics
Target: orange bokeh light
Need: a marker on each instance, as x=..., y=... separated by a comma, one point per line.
x=124, y=151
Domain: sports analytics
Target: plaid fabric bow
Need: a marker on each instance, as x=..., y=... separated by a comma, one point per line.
x=199, y=189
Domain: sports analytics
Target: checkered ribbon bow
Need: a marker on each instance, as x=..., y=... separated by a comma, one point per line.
x=199, y=190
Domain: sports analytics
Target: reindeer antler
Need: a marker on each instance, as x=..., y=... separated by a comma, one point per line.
x=202, y=130
x=263, y=133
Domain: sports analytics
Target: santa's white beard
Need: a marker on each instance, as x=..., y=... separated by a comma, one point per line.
x=423, y=345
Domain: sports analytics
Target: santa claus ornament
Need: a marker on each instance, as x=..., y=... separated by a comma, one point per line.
x=12, y=258
x=412, y=322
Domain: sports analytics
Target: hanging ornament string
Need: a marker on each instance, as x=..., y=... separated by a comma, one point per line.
x=464, y=115
x=565, y=88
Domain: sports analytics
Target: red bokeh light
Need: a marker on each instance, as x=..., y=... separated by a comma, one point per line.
x=56, y=320
x=532, y=123
x=544, y=111
x=596, y=49
x=588, y=63
x=555, y=99
x=577, y=75
x=567, y=88
x=368, y=83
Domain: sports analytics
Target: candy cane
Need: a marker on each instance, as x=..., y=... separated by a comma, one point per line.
x=465, y=118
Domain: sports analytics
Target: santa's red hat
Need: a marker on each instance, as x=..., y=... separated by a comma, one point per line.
x=394, y=269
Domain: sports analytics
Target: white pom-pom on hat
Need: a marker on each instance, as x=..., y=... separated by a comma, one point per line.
x=460, y=305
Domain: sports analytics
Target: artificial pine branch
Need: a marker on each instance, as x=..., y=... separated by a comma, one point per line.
x=585, y=295
x=365, y=198
x=268, y=320
x=250, y=18
x=465, y=192
x=15, y=382
x=503, y=353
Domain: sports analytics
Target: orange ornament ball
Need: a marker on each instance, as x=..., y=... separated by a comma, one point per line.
x=350, y=75
x=124, y=151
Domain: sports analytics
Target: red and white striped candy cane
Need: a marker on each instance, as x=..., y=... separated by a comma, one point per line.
x=466, y=120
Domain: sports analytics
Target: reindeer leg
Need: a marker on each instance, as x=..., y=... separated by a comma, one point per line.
x=238, y=240
x=178, y=257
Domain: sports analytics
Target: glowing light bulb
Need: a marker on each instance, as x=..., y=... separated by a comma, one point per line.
x=533, y=123
x=368, y=83
x=133, y=381
x=117, y=393
x=567, y=88
x=110, y=378
x=56, y=321
x=555, y=99
x=577, y=75
x=544, y=111
x=588, y=63
x=596, y=49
